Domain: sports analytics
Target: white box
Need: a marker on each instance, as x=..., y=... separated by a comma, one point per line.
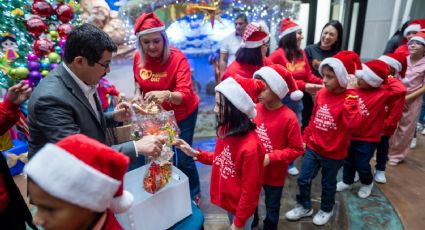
x=156, y=211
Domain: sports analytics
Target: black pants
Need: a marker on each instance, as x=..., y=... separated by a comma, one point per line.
x=358, y=159
x=308, y=109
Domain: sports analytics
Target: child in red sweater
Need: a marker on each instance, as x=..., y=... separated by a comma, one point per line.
x=237, y=162
x=335, y=112
x=280, y=133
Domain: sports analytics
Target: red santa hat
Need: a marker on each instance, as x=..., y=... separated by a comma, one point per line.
x=374, y=72
x=343, y=63
x=288, y=26
x=419, y=37
x=397, y=61
x=148, y=23
x=280, y=81
x=84, y=172
x=414, y=26
x=241, y=92
x=255, y=35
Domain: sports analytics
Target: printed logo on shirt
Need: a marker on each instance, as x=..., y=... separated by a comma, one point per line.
x=262, y=134
x=154, y=77
x=324, y=120
x=363, y=108
x=224, y=161
x=295, y=66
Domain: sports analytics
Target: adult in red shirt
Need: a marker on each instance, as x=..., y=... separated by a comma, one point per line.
x=163, y=74
x=252, y=54
x=14, y=212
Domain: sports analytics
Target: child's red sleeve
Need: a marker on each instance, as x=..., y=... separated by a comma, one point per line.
x=205, y=157
x=295, y=145
x=351, y=115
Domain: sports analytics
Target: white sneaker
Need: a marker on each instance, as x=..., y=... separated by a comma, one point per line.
x=365, y=191
x=423, y=132
x=341, y=186
x=356, y=177
x=322, y=217
x=380, y=177
x=413, y=143
x=293, y=171
x=419, y=126
x=298, y=212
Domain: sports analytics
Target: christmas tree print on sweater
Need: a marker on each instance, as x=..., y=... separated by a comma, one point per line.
x=363, y=108
x=262, y=134
x=324, y=120
x=224, y=161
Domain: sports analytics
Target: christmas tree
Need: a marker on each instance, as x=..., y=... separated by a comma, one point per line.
x=262, y=134
x=224, y=160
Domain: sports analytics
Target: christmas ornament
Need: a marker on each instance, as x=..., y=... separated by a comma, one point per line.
x=45, y=65
x=42, y=8
x=54, y=57
x=36, y=26
x=64, y=30
x=42, y=47
x=9, y=46
x=58, y=49
x=53, y=66
x=21, y=73
x=64, y=12
x=31, y=57
x=33, y=65
x=44, y=72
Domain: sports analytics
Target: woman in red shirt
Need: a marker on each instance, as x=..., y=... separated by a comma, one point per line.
x=163, y=74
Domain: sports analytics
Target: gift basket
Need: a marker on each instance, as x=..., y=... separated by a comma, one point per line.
x=151, y=119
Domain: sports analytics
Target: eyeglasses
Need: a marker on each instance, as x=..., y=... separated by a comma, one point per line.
x=103, y=65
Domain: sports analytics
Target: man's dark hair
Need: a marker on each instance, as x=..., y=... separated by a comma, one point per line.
x=289, y=44
x=231, y=121
x=242, y=16
x=338, y=27
x=252, y=56
x=88, y=41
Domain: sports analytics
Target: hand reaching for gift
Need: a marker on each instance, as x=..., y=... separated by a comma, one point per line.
x=158, y=96
x=122, y=112
x=150, y=145
x=18, y=93
x=185, y=147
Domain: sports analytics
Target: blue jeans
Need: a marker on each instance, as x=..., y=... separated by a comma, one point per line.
x=184, y=162
x=382, y=153
x=311, y=164
x=358, y=159
x=422, y=114
x=247, y=223
x=272, y=200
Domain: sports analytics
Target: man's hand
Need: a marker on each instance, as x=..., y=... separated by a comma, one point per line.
x=122, y=112
x=18, y=93
x=158, y=96
x=312, y=88
x=150, y=145
x=352, y=82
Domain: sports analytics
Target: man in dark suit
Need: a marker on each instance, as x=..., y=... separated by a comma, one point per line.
x=65, y=102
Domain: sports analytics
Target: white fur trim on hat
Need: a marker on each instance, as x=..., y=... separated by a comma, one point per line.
x=151, y=30
x=251, y=44
x=391, y=62
x=237, y=96
x=65, y=177
x=339, y=70
x=288, y=31
x=122, y=203
x=410, y=28
x=297, y=95
x=369, y=76
x=273, y=80
x=417, y=38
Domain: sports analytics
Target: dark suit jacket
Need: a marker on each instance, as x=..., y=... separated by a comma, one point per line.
x=58, y=108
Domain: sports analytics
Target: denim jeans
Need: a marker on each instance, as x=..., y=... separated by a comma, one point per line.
x=310, y=166
x=358, y=159
x=248, y=222
x=382, y=153
x=273, y=195
x=422, y=114
x=184, y=162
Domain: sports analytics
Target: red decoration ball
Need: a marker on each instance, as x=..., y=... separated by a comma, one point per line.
x=64, y=30
x=35, y=26
x=42, y=47
x=64, y=12
x=42, y=8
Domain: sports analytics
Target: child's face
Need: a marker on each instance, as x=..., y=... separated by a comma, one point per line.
x=330, y=80
x=362, y=84
x=267, y=96
x=416, y=48
x=53, y=213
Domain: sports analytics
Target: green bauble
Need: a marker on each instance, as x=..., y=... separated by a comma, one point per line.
x=44, y=72
x=21, y=72
x=54, y=35
x=12, y=73
x=54, y=57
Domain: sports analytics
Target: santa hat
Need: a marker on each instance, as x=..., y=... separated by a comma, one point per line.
x=82, y=171
x=255, y=35
x=397, y=61
x=419, y=37
x=343, y=63
x=241, y=92
x=280, y=81
x=414, y=26
x=374, y=72
x=288, y=26
x=148, y=23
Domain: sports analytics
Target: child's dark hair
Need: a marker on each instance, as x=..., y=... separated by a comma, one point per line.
x=231, y=121
x=289, y=44
x=251, y=56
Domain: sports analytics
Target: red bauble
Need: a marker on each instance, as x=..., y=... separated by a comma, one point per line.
x=64, y=30
x=64, y=12
x=42, y=47
x=42, y=8
x=36, y=26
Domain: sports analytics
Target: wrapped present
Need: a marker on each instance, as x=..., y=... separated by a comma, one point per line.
x=160, y=210
x=16, y=157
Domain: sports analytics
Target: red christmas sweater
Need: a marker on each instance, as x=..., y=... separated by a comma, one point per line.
x=9, y=115
x=245, y=70
x=236, y=175
x=174, y=75
x=372, y=104
x=280, y=134
x=300, y=69
x=394, y=108
x=333, y=116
